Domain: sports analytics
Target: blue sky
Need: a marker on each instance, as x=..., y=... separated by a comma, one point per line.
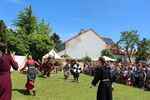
x=67, y=17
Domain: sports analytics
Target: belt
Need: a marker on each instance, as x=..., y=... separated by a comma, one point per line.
x=105, y=80
x=31, y=67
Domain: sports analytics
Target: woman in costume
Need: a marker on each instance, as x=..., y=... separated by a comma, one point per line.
x=103, y=75
x=6, y=61
x=31, y=74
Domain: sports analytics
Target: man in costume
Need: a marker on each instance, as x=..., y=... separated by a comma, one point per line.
x=103, y=75
x=48, y=65
x=75, y=70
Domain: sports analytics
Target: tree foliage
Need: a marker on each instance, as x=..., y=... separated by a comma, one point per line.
x=43, y=28
x=30, y=36
x=128, y=42
x=56, y=38
x=65, y=55
x=26, y=21
x=3, y=29
x=86, y=59
x=143, y=50
x=107, y=53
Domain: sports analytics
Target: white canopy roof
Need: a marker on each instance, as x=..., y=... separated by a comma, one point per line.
x=52, y=53
x=107, y=58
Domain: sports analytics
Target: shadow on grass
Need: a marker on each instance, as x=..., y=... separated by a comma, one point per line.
x=40, y=76
x=22, y=91
x=68, y=80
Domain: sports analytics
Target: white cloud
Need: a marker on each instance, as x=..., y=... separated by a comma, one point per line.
x=14, y=1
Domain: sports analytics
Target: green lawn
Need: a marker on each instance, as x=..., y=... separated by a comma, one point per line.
x=57, y=88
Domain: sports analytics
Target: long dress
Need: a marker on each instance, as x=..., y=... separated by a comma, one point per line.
x=31, y=74
x=103, y=75
x=5, y=78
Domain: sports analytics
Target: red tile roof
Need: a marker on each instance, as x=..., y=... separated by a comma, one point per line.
x=130, y=52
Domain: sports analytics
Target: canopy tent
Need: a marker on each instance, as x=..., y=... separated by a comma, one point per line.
x=107, y=58
x=52, y=53
x=21, y=60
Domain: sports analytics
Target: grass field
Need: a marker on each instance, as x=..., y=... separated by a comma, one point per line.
x=57, y=88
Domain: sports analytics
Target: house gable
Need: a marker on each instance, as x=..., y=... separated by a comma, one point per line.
x=87, y=43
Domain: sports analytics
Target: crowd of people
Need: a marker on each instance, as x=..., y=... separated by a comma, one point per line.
x=137, y=75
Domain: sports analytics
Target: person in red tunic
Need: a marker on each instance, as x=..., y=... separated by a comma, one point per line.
x=6, y=61
x=48, y=66
x=31, y=74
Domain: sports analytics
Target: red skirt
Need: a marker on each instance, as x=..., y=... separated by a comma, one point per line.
x=29, y=85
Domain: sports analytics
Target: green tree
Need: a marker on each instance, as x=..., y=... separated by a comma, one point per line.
x=86, y=59
x=40, y=45
x=107, y=53
x=143, y=50
x=56, y=38
x=43, y=28
x=128, y=41
x=31, y=37
x=65, y=55
x=3, y=29
x=26, y=21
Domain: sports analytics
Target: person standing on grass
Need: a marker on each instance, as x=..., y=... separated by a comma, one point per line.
x=31, y=74
x=76, y=69
x=142, y=78
x=66, y=69
x=103, y=75
x=48, y=66
x=6, y=61
x=56, y=65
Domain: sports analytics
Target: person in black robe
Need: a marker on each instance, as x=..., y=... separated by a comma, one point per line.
x=103, y=75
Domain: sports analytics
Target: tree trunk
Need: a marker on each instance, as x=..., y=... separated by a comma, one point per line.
x=129, y=58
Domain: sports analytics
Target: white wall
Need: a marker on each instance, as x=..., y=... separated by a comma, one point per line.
x=148, y=61
x=87, y=43
x=120, y=57
x=61, y=52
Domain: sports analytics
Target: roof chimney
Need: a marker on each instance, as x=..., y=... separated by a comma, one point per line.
x=82, y=30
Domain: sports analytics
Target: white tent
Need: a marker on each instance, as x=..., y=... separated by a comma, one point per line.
x=52, y=53
x=21, y=60
x=107, y=58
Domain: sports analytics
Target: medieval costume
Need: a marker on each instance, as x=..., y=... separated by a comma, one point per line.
x=31, y=74
x=6, y=61
x=105, y=87
x=48, y=67
x=66, y=70
x=56, y=65
x=75, y=70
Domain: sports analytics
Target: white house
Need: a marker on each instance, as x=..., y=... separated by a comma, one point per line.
x=87, y=43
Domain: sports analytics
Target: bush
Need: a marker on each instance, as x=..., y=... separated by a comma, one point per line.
x=65, y=55
x=87, y=58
